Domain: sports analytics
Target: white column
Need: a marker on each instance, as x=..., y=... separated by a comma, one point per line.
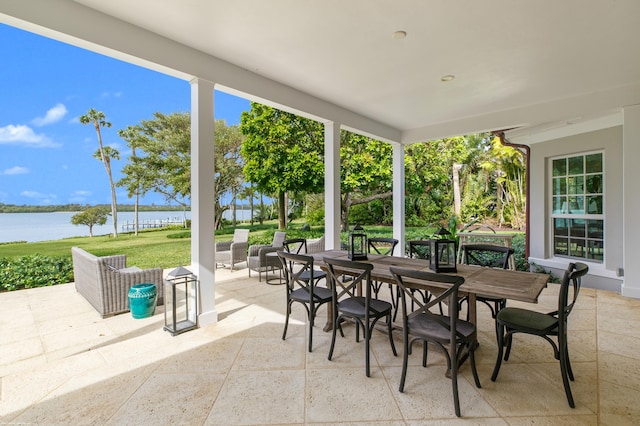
x=203, y=197
x=398, y=198
x=332, y=185
x=631, y=208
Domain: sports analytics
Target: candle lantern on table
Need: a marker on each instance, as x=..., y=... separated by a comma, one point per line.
x=357, y=243
x=443, y=252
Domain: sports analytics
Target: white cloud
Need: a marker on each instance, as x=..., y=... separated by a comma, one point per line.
x=17, y=170
x=43, y=198
x=55, y=114
x=81, y=193
x=24, y=135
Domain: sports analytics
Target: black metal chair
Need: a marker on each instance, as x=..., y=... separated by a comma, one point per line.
x=302, y=288
x=418, y=249
x=299, y=246
x=385, y=247
x=347, y=304
x=453, y=336
x=491, y=256
x=553, y=324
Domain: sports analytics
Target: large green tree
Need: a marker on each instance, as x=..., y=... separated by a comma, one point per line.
x=162, y=162
x=104, y=154
x=366, y=172
x=282, y=153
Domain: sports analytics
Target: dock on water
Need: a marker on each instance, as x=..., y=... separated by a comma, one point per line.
x=153, y=223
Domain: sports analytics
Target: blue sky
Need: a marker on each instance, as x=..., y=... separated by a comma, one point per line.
x=46, y=155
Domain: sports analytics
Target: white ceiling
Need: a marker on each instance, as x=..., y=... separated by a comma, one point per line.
x=516, y=62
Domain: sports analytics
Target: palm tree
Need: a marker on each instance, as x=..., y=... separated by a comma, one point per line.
x=104, y=154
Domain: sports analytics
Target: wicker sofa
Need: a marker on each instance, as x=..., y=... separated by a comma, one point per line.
x=105, y=281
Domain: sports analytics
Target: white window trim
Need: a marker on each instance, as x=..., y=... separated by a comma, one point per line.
x=564, y=261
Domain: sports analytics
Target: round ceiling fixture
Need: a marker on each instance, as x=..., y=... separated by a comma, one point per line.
x=399, y=35
x=447, y=77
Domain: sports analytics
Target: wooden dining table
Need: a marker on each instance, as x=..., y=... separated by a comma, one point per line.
x=493, y=282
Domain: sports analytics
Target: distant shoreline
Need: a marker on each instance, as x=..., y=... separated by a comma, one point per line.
x=73, y=208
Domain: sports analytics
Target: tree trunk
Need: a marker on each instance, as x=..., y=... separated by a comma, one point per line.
x=107, y=165
x=456, y=189
x=282, y=211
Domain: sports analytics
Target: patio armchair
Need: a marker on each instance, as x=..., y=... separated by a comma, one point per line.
x=315, y=246
x=234, y=251
x=105, y=281
x=257, y=259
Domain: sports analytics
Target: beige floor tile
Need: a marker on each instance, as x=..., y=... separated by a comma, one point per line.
x=619, y=344
x=523, y=390
x=619, y=405
x=582, y=420
x=619, y=370
x=428, y=394
x=329, y=400
x=171, y=399
x=260, y=397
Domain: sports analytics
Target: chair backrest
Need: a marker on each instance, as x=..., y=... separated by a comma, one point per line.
x=278, y=239
x=241, y=235
x=486, y=255
x=294, y=266
x=420, y=249
x=384, y=246
x=295, y=245
x=572, y=279
x=361, y=273
x=406, y=279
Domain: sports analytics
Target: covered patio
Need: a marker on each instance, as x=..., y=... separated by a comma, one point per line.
x=62, y=364
x=559, y=79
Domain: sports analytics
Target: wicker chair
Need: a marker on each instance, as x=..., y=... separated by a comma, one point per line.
x=235, y=251
x=258, y=260
x=105, y=281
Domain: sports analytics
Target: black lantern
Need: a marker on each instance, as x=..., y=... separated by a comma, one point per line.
x=357, y=244
x=180, y=301
x=443, y=252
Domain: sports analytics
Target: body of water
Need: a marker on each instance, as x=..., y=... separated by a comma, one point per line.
x=54, y=226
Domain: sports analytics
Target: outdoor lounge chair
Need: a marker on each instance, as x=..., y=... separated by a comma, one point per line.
x=105, y=281
x=235, y=251
x=258, y=260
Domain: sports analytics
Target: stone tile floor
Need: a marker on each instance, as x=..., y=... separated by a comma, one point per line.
x=61, y=364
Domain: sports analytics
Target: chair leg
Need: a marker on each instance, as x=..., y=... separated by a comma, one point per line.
x=286, y=320
x=336, y=325
x=453, y=365
x=472, y=360
x=311, y=320
x=496, y=369
x=564, y=361
x=405, y=360
x=393, y=346
x=367, y=340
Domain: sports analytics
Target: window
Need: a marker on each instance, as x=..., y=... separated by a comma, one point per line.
x=578, y=201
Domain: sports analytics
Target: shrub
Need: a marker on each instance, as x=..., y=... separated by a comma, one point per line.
x=33, y=271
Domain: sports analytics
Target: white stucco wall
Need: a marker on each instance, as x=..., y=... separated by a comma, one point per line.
x=601, y=275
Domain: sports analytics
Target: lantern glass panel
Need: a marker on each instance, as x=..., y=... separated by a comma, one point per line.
x=357, y=244
x=443, y=257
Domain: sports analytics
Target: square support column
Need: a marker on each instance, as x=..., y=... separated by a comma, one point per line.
x=332, y=209
x=398, y=198
x=203, y=197
x=631, y=208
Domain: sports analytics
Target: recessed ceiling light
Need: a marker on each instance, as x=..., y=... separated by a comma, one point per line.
x=447, y=77
x=399, y=35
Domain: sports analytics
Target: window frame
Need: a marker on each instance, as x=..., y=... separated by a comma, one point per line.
x=575, y=192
